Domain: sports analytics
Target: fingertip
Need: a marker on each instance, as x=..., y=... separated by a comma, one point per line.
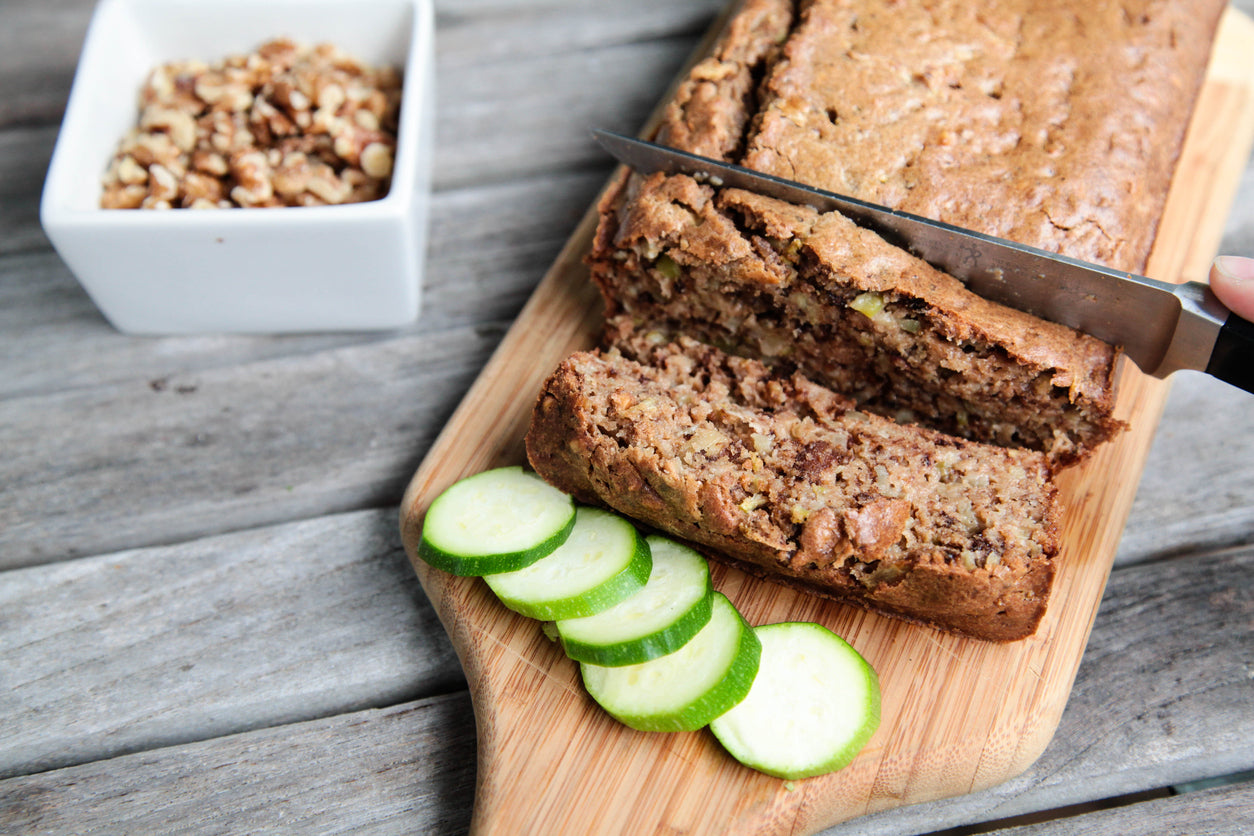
x=1232, y=279
x=1235, y=268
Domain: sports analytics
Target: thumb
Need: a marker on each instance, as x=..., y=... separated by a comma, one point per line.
x=1232, y=279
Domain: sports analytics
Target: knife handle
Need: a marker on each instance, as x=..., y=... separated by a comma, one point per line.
x=1232, y=359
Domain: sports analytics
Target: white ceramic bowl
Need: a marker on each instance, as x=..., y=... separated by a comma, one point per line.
x=181, y=271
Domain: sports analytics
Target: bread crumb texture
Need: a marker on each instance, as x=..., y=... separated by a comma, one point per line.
x=786, y=477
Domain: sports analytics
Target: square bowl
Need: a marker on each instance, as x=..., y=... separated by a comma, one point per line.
x=353, y=266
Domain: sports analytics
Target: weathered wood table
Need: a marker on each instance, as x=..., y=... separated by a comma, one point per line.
x=207, y=621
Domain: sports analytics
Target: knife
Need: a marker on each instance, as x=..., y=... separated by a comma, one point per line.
x=1162, y=327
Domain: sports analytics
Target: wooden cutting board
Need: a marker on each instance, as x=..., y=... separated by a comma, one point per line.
x=958, y=715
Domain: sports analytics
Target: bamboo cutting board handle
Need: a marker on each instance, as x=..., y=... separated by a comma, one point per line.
x=958, y=715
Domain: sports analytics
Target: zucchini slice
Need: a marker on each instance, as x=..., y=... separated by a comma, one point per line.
x=684, y=690
x=603, y=561
x=658, y=619
x=814, y=704
x=495, y=521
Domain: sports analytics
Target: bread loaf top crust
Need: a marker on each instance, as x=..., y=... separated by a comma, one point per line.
x=1054, y=123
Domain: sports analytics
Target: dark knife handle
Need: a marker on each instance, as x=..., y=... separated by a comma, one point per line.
x=1232, y=359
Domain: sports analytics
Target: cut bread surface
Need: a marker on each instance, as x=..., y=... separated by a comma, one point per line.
x=790, y=480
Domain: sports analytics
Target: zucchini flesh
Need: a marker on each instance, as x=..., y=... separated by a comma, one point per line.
x=813, y=706
x=658, y=619
x=603, y=561
x=684, y=690
x=495, y=521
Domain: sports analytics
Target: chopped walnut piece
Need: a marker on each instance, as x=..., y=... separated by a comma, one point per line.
x=251, y=170
x=163, y=186
x=210, y=162
x=123, y=196
x=130, y=172
x=198, y=187
x=376, y=160
x=285, y=125
x=177, y=124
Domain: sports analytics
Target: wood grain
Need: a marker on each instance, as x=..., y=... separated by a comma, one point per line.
x=317, y=617
x=1186, y=507
x=384, y=771
x=1157, y=701
x=215, y=443
x=958, y=715
x=1150, y=707
x=1221, y=811
x=1162, y=696
x=489, y=246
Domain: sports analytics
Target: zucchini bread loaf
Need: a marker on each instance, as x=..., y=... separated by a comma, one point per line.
x=787, y=479
x=1055, y=123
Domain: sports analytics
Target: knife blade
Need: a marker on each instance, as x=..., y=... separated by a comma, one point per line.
x=1161, y=326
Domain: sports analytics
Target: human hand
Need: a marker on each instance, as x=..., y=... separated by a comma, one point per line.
x=1232, y=279
x=1232, y=359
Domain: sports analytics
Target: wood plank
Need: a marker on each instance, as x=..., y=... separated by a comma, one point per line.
x=487, y=242
x=54, y=339
x=488, y=31
x=938, y=736
x=540, y=109
x=39, y=47
x=489, y=246
x=68, y=494
x=193, y=454
x=332, y=779
x=1162, y=699
x=1198, y=488
x=518, y=88
x=143, y=649
x=404, y=769
x=518, y=84
x=24, y=157
x=1223, y=811
x=136, y=479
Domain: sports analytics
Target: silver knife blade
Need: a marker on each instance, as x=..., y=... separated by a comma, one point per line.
x=1162, y=327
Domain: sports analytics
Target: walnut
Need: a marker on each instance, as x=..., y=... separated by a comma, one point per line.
x=350, y=142
x=366, y=120
x=251, y=171
x=291, y=175
x=199, y=188
x=326, y=185
x=331, y=97
x=210, y=162
x=376, y=160
x=123, y=196
x=175, y=123
x=163, y=186
x=224, y=93
x=130, y=172
x=285, y=125
x=155, y=149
